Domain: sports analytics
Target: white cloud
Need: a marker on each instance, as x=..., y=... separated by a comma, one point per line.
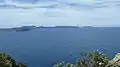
x=65, y=12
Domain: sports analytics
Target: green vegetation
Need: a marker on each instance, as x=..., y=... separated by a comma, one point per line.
x=89, y=59
x=7, y=61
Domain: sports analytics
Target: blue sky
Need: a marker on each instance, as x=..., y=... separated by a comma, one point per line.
x=59, y=12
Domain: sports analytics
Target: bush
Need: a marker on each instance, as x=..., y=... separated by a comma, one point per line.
x=88, y=59
x=7, y=61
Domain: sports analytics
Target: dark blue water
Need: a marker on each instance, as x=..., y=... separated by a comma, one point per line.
x=44, y=47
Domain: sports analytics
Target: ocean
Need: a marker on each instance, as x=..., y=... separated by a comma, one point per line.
x=46, y=46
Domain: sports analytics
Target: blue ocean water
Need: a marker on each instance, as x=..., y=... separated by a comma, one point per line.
x=44, y=47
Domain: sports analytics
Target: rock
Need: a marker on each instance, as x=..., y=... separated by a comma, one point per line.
x=115, y=62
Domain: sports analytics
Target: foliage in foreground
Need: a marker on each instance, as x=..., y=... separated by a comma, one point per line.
x=90, y=59
x=7, y=61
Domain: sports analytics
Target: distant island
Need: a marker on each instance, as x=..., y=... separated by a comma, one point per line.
x=24, y=28
x=32, y=27
x=19, y=29
x=28, y=28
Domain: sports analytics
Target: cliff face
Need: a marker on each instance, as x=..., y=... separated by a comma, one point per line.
x=115, y=62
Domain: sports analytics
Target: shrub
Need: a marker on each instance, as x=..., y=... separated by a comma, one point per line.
x=88, y=59
x=7, y=61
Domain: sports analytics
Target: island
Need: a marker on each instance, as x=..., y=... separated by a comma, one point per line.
x=29, y=28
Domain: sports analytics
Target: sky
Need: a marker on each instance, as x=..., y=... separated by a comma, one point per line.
x=59, y=12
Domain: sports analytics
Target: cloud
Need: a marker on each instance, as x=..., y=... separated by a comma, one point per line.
x=60, y=12
x=12, y=4
x=58, y=3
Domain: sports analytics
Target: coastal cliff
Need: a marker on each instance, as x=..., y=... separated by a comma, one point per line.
x=115, y=62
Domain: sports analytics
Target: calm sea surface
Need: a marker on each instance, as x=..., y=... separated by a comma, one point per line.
x=44, y=47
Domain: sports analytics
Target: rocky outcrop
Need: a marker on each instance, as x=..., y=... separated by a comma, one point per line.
x=115, y=62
